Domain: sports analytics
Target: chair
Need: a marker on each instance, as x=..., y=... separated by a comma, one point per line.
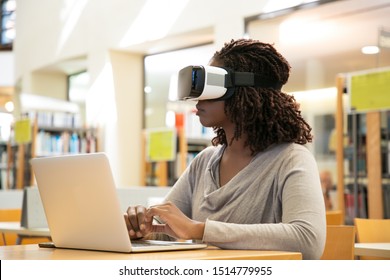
x=14, y=215
x=372, y=231
x=9, y=215
x=334, y=217
x=340, y=241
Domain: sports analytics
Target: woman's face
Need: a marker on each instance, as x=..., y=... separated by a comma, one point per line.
x=211, y=113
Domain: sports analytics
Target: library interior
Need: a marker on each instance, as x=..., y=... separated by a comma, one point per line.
x=81, y=77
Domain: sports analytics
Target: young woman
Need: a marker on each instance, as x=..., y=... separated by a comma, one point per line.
x=258, y=186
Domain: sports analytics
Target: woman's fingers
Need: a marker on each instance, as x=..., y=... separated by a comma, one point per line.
x=136, y=221
x=176, y=223
x=157, y=210
x=139, y=222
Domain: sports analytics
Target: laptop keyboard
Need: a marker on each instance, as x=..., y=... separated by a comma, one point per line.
x=145, y=243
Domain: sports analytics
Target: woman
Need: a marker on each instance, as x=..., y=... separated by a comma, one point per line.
x=258, y=186
x=326, y=185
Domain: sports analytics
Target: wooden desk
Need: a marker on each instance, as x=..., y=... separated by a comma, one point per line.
x=381, y=250
x=33, y=252
x=22, y=232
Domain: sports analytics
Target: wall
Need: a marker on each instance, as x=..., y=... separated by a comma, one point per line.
x=74, y=28
x=6, y=69
x=50, y=32
x=127, y=73
x=50, y=84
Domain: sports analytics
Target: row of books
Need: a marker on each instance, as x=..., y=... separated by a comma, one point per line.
x=3, y=167
x=361, y=208
x=48, y=143
x=361, y=165
x=351, y=210
x=56, y=119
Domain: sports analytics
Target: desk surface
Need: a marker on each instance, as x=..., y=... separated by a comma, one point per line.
x=33, y=252
x=381, y=250
x=14, y=227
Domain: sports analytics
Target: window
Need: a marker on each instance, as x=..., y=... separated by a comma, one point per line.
x=78, y=84
x=7, y=28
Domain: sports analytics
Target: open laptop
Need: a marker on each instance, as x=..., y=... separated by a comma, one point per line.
x=82, y=208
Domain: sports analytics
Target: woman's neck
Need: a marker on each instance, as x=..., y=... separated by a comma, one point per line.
x=237, y=146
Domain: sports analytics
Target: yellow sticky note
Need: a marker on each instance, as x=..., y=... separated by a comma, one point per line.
x=23, y=131
x=370, y=91
x=161, y=145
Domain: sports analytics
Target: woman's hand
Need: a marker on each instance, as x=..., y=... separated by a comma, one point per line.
x=176, y=223
x=137, y=222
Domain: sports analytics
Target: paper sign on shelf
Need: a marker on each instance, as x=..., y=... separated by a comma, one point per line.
x=161, y=144
x=23, y=131
x=369, y=90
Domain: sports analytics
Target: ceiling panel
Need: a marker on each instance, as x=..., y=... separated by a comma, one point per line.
x=326, y=40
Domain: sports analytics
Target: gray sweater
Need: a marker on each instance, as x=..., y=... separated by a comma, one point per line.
x=274, y=203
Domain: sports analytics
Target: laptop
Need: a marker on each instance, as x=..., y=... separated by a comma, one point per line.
x=82, y=208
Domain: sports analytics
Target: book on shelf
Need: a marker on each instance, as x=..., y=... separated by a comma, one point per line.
x=52, y=143
x=349, y=199
x=56, y=119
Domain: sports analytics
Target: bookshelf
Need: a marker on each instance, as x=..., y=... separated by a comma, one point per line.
x=56, y=128
x=3, y=164
x=362, y=153
x=6, y=120
x=8, y=164
x=52, y=134
x=165, y=173
x=191, y=139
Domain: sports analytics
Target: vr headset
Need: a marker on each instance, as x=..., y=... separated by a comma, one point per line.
x=217, y=83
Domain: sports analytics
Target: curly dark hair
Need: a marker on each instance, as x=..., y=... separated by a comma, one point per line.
x=266, y=115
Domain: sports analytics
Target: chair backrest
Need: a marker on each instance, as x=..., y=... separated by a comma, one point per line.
x=334, y=217
x=340, y=241
x=14, y=215
x=9, y=215
x=371, y=231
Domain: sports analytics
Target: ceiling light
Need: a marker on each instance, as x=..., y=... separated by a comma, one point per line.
x=9, y=106
x=147, y=89
x=370, y=50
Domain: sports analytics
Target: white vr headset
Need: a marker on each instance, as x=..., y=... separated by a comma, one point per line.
x=217, y=83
